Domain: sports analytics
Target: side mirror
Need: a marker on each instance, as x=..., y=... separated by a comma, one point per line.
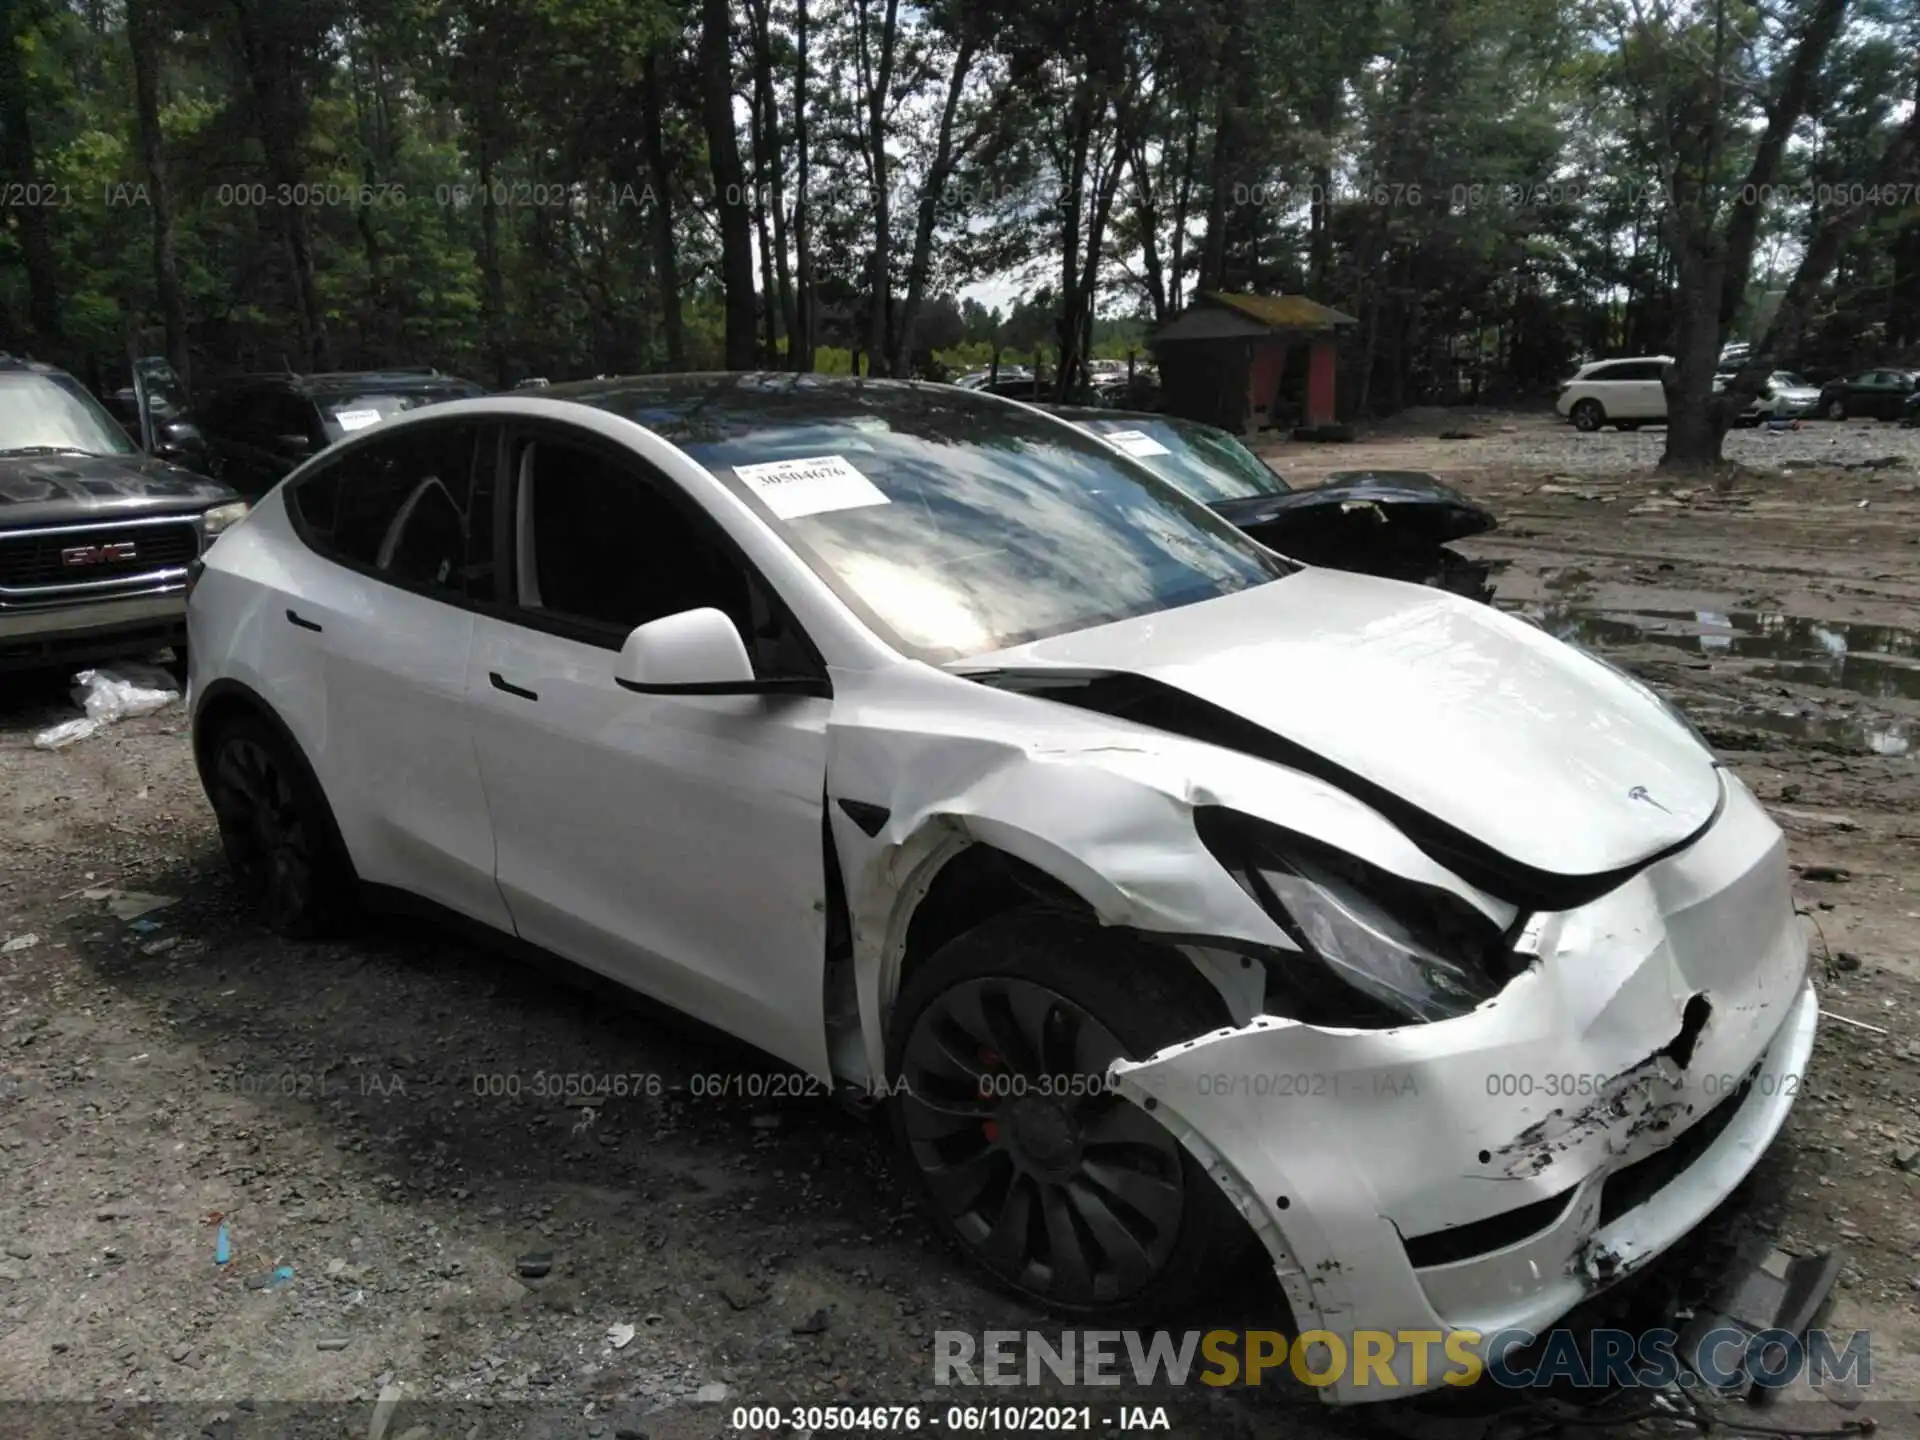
x=697, y=652
x=292, y=444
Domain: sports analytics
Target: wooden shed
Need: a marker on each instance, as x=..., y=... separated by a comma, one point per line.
x=1245, y=362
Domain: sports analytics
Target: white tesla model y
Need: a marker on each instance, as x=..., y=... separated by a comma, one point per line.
x=1178, y=897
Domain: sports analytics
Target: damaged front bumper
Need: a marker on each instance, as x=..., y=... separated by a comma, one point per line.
x=1488, y=1173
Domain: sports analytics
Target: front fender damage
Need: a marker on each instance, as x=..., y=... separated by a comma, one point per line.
x=1103, y=807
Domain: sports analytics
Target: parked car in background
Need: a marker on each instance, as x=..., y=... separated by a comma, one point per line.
x=1392, y=523
x=1784, y=395
x=949, y=755
x=96, y=538
x=258, y=427
x=1880, y=394
x=1787, y=396
x=1624, y=393
x=975, y=379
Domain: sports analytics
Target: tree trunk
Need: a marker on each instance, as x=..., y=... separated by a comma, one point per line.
x=280, y=114
x=729, y=189
x=666, y=265
x=493, y=291
x=877, y=94
x=773, y=178
x=939, y=173
x=19, y=166
x=144, y=37
x=800, y=346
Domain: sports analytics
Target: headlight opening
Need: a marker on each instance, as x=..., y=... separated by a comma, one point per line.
x=1406, y=952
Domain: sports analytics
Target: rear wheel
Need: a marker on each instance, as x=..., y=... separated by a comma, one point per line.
x=1067, y=1192
x=1588, y=415
x=277, y=832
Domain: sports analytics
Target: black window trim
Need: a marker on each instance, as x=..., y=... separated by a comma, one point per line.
x=341, y=454
x=598, y=633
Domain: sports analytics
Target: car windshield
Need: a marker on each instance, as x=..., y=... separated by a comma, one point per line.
x=954, y=522
x=345, y=413
x=1208, y=464
x=52, y=414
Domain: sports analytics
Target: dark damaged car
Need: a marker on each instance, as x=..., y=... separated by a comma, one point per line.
x=1397, y=524
x=96, y=536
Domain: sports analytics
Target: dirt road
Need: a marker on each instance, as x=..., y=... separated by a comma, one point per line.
x=413, y=1204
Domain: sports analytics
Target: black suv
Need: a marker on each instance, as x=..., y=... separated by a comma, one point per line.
x=96, y=537
x=259, y=427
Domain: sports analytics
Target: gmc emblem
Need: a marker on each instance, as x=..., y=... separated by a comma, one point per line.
x=98, y=554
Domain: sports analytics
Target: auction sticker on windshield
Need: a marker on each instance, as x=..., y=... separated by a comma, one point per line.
x=793, y=488
x=1136, y=443
x=351, y=420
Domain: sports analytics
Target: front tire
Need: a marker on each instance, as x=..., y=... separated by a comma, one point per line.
x=1588, y=415
x=278, y=834
x=1836, y=409
x=1064, y=1190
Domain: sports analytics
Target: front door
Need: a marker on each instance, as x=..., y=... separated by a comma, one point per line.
x=674, y=843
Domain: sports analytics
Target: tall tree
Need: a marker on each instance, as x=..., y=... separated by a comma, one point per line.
x=146, y=38
x=20, y=172
x=729, y=182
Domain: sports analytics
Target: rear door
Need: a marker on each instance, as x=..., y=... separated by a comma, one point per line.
x=1644, y=397
x=405, y=524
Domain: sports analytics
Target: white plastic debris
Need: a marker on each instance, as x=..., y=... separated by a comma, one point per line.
x=19, y=943
x=620, y=1336
x=59, y=736
x=107, y=695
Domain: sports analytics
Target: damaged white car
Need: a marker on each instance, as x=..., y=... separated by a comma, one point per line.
x=1180, y=898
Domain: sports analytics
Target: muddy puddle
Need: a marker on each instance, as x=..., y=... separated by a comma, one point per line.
x=1874, y=662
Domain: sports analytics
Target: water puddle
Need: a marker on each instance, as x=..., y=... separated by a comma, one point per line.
x=1873, y=661
x=1893, y=737
x=1876, y=661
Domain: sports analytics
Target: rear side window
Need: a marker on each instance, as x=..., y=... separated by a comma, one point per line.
x=401, y=508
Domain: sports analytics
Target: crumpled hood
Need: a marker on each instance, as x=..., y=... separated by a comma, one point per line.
x=1457, y=721
x=76, y=489
x=1365, y=509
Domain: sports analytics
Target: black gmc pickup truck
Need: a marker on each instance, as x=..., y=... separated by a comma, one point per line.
x=96, y=537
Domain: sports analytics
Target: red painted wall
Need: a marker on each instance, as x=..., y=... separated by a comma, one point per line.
x=1268, y=363
x=1320, y=383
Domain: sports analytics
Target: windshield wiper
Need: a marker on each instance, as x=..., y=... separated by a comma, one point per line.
x=46, y=450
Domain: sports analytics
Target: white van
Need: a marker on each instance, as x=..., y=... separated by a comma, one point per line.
x=1626, y=393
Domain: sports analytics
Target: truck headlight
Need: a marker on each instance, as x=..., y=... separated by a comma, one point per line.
x=223, y=517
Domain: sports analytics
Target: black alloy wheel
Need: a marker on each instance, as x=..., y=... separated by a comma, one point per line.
x=1030, y=1159
x=277, y=833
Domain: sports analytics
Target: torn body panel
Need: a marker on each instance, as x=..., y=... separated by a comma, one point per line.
x=1103, y=807
x=1603, y=1104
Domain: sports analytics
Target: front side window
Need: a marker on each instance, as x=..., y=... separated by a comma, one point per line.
x=398, y=508
x=600, y=547
x=959, y=525
x=52, y=414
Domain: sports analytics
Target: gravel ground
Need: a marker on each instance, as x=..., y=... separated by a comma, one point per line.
x=407, y=1214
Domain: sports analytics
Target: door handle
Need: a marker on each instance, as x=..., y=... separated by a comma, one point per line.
x=500, y=683
x=304, y=624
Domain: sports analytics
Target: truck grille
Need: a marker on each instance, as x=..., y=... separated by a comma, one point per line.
x=68, y=556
